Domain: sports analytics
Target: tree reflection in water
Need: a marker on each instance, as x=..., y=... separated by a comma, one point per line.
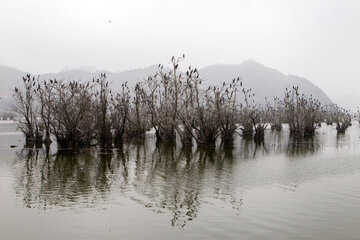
x=296, y=148
x=164, y=178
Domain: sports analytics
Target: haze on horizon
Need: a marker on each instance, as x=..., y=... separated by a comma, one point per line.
x=317, y=40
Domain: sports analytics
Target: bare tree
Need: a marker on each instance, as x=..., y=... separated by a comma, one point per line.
x=119, y=114
x=73, y=122
x=25, y=107
x=44, y=93
x=340, y=116
x=228, y=108
x=207, y=120
x=102, y=104
x=163, y=92
x=198, y=115
x=187, y=112
x=137, y=117
x=275, y=115
x=303, y=114
x=253, y=117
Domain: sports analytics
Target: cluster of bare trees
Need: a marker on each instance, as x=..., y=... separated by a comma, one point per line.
x=338, y=116
x=173, y=102
x=303, y=114
x=78, y=114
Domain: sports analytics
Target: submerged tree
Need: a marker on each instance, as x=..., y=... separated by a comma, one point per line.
x=163, y=92
x=275, y=114
x=303, y=114
x=187, y=112
x=228, y=109
x=252, y=117
x=73, y=122
x=206, y=123
x=26, y=108
x=102, y=112
x=340, y=117
x=246, y=109
x=199, y=115
x=259, y=121
x=44, y=93
x=120, y=106
x=137, y=117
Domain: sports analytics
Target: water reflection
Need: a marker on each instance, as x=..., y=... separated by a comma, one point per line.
x=298, y=149
x=167, y=179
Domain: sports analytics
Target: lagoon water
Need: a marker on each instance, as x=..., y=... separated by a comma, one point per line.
x=277, y=190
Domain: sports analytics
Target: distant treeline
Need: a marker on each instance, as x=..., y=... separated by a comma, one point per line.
x=173, y=102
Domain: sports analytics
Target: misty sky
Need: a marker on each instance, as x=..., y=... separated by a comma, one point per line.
x=316, y=39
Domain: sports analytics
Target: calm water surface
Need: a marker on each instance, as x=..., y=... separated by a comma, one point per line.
x=278, y=190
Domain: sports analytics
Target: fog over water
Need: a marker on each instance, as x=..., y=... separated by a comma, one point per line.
x=317, y=40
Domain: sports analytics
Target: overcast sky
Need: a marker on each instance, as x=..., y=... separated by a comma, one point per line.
x=316, y=39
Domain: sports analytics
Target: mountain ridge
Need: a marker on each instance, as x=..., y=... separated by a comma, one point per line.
x=266, y=82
